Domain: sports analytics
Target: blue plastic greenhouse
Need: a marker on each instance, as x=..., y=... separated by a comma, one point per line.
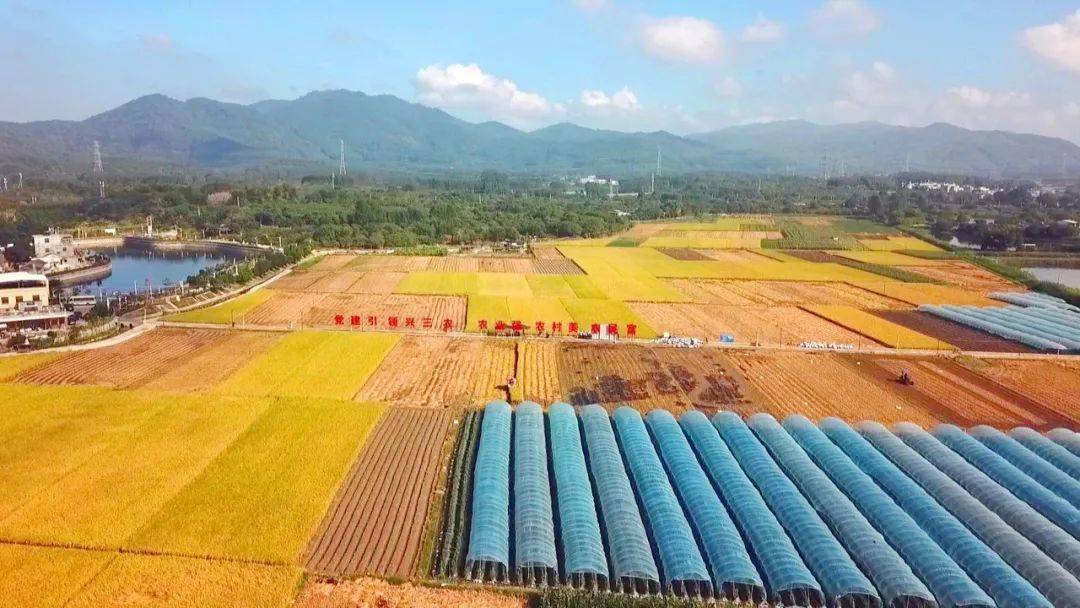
x=488, y=557
x=1033, y=465
x=535, y=562
x=787, y=579
x=733, y=572
x=584, y=562
x=632, y=566
x=1049, y=451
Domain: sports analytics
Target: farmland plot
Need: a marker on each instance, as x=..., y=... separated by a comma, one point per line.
x=377, y=282
x=547, y=252
x=821, y=385
x=229, y=311
x=877, y=328
x=182, y=582
x=46, y=576
x=120, y=457
x=377, y=521
x=710, y=379
x=781, y=293
x=898, y=243
x=377, y=592
x=262, y=498
x=615, y=375
x=131, y=363
x=13, y=365
x=300, y=280
x=208, y=366
x=538, y=371
x=968, y=276
x=758, y=325
x=392, y=263
x=736, y=256
x=926, y=293
x=442, y=372
x=333, y=262
x=1053, y=384
x=338, y=281
x=454, y=264
x=684, y=254
x=960, y=336
x=331, y=365
x=556, y=266
x=285, y=308
x=435, y=309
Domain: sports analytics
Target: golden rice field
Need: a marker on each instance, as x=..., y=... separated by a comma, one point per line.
x=876, y=328
x=13, y=365
x=927, y=293
x=332, y=365
x=898, y=243
x=888, y=258
x=226, y=312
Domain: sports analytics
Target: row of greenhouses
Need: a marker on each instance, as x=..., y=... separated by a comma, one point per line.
x=1043, y=327
x=792, y=512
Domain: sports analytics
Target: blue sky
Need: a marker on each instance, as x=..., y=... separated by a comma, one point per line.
x=683, y=66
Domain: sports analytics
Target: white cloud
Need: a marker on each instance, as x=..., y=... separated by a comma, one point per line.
x=728, y=87
x=682, y=40
x=623, y=100
x=156, y=43
x=762, y=30
x=850, y=16
x=1056, y=43
x=467, y=87
x=969, y=97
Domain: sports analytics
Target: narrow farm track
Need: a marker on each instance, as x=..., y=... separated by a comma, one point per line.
x=376, y=523
x=129, y=364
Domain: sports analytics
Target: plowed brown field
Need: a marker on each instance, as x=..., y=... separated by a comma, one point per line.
x=337, y=281
x=776, y=325
x=617, y=375
x=687, y=255
x=376, y=523
x=384, y=306
x=1054, y=384
x=442, y=372
x=710, y=380
x=284, y=308
x=740, y=256
x=376, y=593
x=547, y=252
x=299, y=280
x=130, y=364
x=782, y=293
x=817, y=385
x=538, y=371
x=392, y=263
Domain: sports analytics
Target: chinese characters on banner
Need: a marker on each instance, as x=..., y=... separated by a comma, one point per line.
x=500, y=327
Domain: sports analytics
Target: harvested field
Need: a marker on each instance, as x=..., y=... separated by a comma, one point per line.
x=781, y=293
x=547, y=252
x=737, y=256
x=338, y=281
x=1054, y=384
x=556, y=266
x=818, y=385
x=760, y=325
x=734, y=235
x=538, y=372
x=282, y=308
x=927, y=293
x=377, y=521
x=682, y=253
x=207, y=367
x=433, y=309
x=229, y=311
x=441, y=372
x=960, y=336
x=300, y=280
x=877, y=328
x=377, y=282
x=709, y=378
x=515, y=265
x=376, y=593
x=968, y=276
x=616, y=375
x=954, y=394
x=454, y=264
x=392, y=263
x=334, y=261
x=132, y=363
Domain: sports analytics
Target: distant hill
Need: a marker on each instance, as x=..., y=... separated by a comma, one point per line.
x=383, y=132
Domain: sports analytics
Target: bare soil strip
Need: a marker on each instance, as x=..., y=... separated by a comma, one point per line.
x=964, y=338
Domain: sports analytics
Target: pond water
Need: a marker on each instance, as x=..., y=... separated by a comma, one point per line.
x=140, y=269
x=1069, y=277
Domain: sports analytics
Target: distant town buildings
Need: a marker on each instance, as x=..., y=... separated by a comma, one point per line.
x=53, y=252
x=24, y=303
x=951, y=187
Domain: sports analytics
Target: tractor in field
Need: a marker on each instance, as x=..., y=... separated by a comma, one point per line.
x=906, y=379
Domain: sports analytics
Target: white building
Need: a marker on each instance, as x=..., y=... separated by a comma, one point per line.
x=54, y=243
x=22, y=290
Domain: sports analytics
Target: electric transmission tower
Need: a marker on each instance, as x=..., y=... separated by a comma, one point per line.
x=341, y=159
x=98, y=169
